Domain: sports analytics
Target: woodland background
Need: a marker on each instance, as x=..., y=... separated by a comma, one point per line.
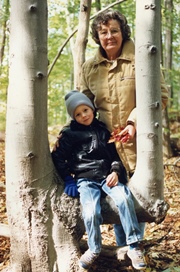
x=161, y=241
x=62, y=23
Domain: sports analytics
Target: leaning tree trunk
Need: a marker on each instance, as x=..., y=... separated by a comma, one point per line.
x=147, y=182
x=81, y=40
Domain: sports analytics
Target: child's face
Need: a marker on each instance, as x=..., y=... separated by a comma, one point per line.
x=84, y=115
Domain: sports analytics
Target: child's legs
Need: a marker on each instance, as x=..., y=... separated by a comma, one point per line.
x=120, y=235
x=124, y=202
x=90, y=195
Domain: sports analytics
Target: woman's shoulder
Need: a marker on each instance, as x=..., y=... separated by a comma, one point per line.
x=128, y=50
x=96, y=59
x=89, y=63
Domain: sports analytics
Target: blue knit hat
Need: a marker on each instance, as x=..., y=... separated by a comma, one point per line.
x=74, y=99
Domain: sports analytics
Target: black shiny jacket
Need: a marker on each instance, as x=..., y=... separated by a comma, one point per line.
x=84, y=151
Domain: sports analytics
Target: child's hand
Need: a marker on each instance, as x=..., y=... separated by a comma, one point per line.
x=112, y=179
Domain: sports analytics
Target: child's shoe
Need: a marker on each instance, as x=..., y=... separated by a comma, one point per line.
x=137, y=258
x=87, y=259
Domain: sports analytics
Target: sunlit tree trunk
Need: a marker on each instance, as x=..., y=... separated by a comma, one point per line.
x=81, y=40
x=5, y=18
x=41, y=239
x=147, y=182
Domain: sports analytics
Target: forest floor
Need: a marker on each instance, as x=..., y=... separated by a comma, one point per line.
x=161, y=243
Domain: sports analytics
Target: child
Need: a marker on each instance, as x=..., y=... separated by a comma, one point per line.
x=88, y=164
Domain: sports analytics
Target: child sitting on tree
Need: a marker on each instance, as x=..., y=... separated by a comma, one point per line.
x=88, y=164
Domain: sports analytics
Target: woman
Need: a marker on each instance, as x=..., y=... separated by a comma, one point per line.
x=108, y=79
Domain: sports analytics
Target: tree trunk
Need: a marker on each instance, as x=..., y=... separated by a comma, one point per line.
x=167, y=150
x=168, y=42
x=40, y=239
x=81, y=40
x=4, y=30
x=147, y=182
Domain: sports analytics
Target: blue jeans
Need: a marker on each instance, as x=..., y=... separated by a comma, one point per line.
x=90, y=194
x=120, y=235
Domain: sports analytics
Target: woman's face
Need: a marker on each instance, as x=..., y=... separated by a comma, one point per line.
x=110, y=37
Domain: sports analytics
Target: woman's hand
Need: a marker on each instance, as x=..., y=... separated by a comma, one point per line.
x=57, y=142
x=112, y=179
x=127, y=133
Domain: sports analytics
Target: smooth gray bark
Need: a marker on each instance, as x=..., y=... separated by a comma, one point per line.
x=148, y=181
x=40, y=239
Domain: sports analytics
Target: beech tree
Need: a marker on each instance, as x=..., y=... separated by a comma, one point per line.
x=45, y=224
x=148, y=181
x=33, y=196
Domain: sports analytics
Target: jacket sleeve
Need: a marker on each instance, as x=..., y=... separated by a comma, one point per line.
x=119, y=168
x=132, y=117
x=61, y=156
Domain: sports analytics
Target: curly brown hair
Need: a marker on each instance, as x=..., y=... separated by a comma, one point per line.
x=104, y=17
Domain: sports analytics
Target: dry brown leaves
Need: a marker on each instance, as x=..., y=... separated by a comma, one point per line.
x=4, y=242
x=161, y=244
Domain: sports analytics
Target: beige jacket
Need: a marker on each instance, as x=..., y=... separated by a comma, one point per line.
x=111, y=87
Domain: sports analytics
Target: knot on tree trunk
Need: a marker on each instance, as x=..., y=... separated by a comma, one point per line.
x=159, y=210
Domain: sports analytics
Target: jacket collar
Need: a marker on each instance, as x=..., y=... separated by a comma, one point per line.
x=95, y=123
x=127, y=53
